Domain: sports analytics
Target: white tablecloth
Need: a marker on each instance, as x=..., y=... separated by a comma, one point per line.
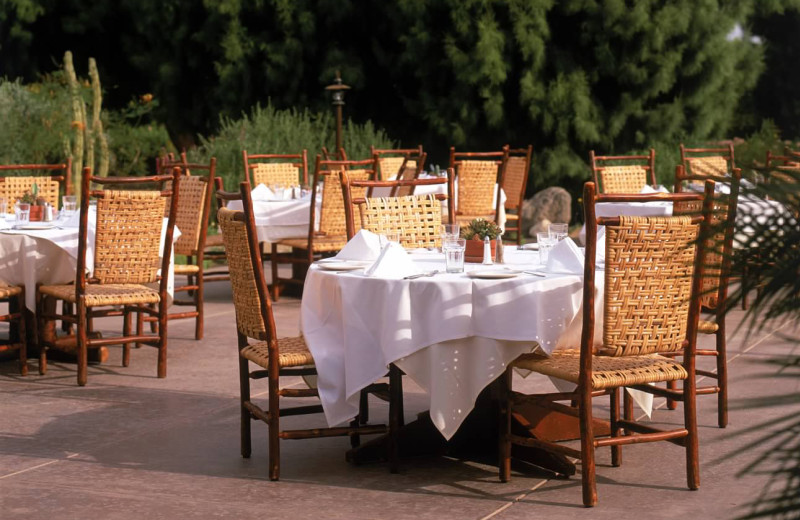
x=49, y=256
x=453, y=335
x=280, y=219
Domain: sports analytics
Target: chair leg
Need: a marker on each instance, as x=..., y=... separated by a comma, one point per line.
x=162, y=339
x=198, y=304
x=690, y=421
x=274, y=430
x=722, y=376
x=126, y=331
x=44, y=306
x=246, y=417
x=588, y=481
x=672, y=404
x=17, y=306
x=395, y=416
x=273, y=261
x=616, y=451
x=82, y=338
x=504, y=430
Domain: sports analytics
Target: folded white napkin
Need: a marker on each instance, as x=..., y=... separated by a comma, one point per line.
x=565, y=257
x=261, y=192
x=658, y=189
x=365, y=245
x=393, y=263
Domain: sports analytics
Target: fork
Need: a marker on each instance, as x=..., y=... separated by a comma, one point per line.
x=420, y=275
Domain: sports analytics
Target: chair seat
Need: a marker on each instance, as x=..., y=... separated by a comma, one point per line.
x=108, y=294
x=186, y=269
x=322, y=244
x=7, y=291
x=607, y=372
x=293, y=353
x=214, y=241
x=512, y=216
x=707, y=327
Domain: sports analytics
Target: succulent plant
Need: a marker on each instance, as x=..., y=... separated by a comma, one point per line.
x=481, y=228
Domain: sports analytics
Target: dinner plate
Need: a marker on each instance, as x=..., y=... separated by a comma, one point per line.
x=493, y=274
x=43, y=225
x=339, y=266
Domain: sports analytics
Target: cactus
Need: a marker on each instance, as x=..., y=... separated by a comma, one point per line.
x=78, y=122
x=97, y=123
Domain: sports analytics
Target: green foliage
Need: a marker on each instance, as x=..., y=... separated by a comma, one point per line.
x=268, y=130
x=479, y=229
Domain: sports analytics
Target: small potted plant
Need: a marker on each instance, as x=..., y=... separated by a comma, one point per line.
x=475, y=233
x=37, y=203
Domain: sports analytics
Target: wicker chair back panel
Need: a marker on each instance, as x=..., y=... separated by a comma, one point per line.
x=13, y=188
x=513, y=180
x=714, y=166
x=128, y=236
x=243, y=279
x=648, y=283
x=332, y=219
x=408, y=173
x=623, y=179
x=284, y=175
x=416, y=218
x=390, y=167
x=476, y=182
x=193, y=191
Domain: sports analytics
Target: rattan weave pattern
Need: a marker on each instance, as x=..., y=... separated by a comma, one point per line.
x=416, y=218
x=332, y=220
x=186, y=269
x=127, y=244
x=476, y=186
x=622, y=179
x=246, y=301
x=7, y=291
x=513, y=179
x=13, y=188
x=713, y=166
x=282, y=174
x=292, y=352
x=390, y=167
x=322, y=244
x=607, y=372
x=648, y=282
x=102, y=295
x=193, y=190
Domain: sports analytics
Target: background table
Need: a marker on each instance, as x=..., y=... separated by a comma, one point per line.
x=280, y=219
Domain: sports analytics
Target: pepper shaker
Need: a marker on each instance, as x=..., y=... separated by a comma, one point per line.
x=498, y=256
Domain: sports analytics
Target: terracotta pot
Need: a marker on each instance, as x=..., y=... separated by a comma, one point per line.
x=37, y=212
x=474, y=251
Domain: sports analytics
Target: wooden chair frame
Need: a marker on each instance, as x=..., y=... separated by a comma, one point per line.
x=14, y=297
x=122, y=299
x=317, y=243
x=300, y=161
x=270, y=367
x=690, y=154
x=64, y=180
x=599, y=165
x=626, y=430
x=457, y=159
x=514, y=187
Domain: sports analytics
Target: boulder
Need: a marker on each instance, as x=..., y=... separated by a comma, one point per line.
x=552, y=204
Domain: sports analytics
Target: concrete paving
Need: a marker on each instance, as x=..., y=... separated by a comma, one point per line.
x=129, y=445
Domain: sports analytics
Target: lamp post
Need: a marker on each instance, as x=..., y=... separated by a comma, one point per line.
x=338, y=89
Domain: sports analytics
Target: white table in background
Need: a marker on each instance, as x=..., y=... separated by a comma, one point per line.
x=280, y=219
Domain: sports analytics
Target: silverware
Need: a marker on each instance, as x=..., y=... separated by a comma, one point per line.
x=535, y=273
x=420, y=275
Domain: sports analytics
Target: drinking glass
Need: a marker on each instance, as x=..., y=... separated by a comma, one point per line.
x=3, y=207
x=559, y=231
x=454, y=254
x=449, y=232
x=280, y=192
x=546, y=242
x=23, y=213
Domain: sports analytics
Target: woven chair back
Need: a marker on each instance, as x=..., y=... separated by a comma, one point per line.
x=648, y=284
x=128, y=236
x=390, y=167
x=13, y=188
x=416, y=219
x=409, y=173
x=622, y=179
x=514, y=179
x=714, y=166
x=476, y=187
x=246, y=301
x=281, y=174
x=191, y=209
x=332, y=220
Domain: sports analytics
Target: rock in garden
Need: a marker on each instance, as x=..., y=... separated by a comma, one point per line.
x=552, y=204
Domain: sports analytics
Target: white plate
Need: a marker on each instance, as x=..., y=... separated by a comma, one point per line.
x=339, y=266
x=493, y=274
x=42, y=225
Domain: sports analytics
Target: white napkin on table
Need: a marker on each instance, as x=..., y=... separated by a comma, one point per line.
x=261, y=192
x=565, y=257
x=658, y=189
x=393, y=263
x=365, y=245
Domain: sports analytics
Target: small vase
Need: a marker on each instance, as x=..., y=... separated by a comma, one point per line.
x=474, y=251
x=37, y=212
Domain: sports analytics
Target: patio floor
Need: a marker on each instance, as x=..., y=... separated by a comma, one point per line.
x=129, y=445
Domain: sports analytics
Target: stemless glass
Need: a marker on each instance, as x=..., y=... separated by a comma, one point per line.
x=22, y=211
x=546, y=242
x=69, y=203
x=3, y=207
x=559, y=231
x=454, y=254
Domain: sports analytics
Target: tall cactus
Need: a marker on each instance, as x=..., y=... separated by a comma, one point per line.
x=78, y=122
x=97, y=123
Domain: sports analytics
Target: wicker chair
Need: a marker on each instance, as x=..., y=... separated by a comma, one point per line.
x=652, y=303
x=416, y=218
x=274, y=357
x=194, y=208
x=514, y=181
x=284, y=170
x=623, y=173
x=14, y=297
x=393, y=163
x=716, y=271
x=50, y=187
x=477, y=174
x=331, y=235
x=127, y=256
x=708, y=163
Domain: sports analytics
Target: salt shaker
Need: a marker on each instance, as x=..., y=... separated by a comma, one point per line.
x=47, y=213
x=487, y=252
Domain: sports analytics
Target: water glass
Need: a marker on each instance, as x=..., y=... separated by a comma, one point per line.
x=69, y=204
x=546, y=242
x=22, y=210
x=449, y=232
x=559, y=231
x=3, y=207
x=454, y=254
